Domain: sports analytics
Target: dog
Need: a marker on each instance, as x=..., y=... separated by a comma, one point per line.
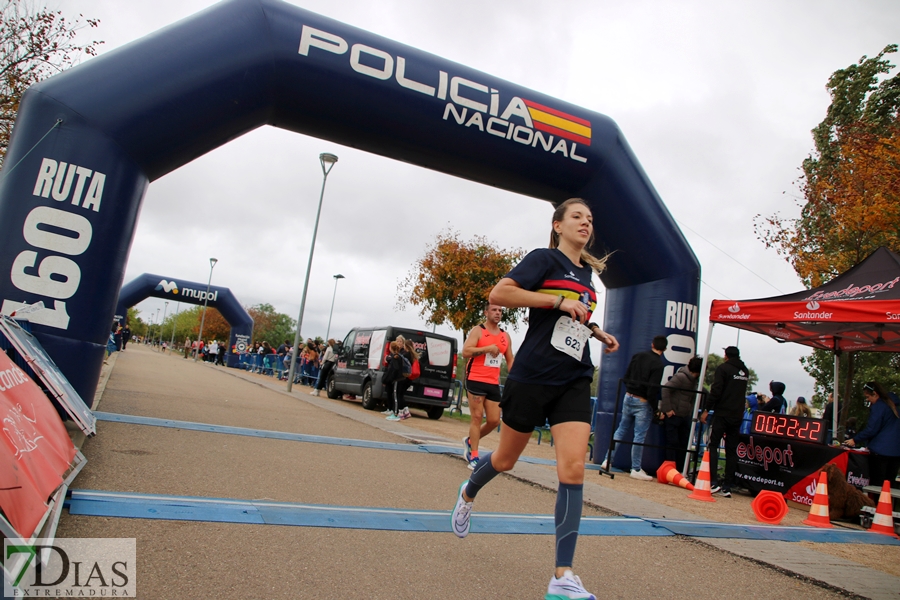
x=844, y=500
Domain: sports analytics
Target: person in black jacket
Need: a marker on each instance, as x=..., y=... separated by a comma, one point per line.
x=394, y=382
x=677, y=407
x=726, y=398
x=777, y=403
x=642, y=381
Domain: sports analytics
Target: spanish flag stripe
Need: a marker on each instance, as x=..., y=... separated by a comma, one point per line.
x=556, y=113
x=569, y=295
x=566, y=284
x=554, y=121
x=562, y=133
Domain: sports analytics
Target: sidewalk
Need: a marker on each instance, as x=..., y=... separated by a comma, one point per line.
x=180, y=559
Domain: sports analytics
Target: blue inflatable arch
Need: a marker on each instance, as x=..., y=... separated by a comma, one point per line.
x=190, y=292
x=88, y=141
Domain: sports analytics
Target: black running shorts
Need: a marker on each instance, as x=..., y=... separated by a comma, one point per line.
x=479, y=388
x=529, y=405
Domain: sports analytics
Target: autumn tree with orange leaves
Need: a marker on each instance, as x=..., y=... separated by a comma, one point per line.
x=851, y=182
x=850, y=207
x=453, y=279
x=215, y=327
x=34, y=44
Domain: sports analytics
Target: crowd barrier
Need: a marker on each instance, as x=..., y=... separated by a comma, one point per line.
x=274, y=366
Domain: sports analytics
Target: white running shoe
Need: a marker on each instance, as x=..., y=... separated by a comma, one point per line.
x=604, y=466
x=640, y=475
x=460, y=518
x=567, y=587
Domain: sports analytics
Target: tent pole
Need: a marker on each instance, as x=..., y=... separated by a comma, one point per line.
x=834, y=410
x=691, y=445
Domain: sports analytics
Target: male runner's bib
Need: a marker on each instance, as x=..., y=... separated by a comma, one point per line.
x=484, y=367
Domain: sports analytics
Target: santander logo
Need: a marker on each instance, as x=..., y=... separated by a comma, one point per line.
x=811, y=489
x=813, y=305
x=734, y=308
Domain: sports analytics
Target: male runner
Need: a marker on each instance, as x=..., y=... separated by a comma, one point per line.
x=484, y=346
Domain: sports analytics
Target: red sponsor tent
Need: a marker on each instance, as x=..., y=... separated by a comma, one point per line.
x=858, y=310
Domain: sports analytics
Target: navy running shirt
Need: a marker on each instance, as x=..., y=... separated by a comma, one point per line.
x=549, y=271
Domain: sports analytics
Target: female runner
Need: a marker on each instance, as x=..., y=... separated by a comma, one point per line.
x=551, y=378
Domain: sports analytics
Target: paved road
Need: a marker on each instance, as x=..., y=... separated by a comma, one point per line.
x=181, y=559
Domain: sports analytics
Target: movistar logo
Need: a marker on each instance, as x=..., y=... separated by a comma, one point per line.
x=167, y=286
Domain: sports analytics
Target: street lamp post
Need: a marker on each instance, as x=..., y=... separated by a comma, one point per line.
x=174, y=323
x=158, y=324
x=331, y=312
x=212, y=263
x=165, y=310
x=327, y=161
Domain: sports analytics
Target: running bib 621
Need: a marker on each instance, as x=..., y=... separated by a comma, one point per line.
x=570, y=337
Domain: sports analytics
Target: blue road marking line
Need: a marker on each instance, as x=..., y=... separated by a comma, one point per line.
x=265, y=512
x=302, y=437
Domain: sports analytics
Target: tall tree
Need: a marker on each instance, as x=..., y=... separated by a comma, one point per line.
x=135, y=323
x=215, y=327
x=850, y=184
x=270, y=325
x=850, y=204
x=34, y=44
x=452, y=280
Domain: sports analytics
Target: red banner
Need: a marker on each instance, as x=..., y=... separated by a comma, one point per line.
x=35, y=449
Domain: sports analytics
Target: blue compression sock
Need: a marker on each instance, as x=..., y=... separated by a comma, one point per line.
x=482, y=474
x=567, y=518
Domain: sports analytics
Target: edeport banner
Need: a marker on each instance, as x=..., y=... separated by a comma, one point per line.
x=35, y=449
x=783, y=466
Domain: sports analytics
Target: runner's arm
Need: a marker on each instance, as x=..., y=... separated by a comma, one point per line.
x=470, y=347
x=509, y=353
x=510, y=294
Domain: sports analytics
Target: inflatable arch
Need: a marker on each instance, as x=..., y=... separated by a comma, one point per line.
x=88, y=141
x=189, y=292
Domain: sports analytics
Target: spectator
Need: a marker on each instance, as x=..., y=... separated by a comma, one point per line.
x=642, y=384
x=394, y=381
x=777, y=404
x=328, y=359
x=726, y=398
x=220, y=355
x=801, y=409
x=751, y=405
x=677, y=407
x=308, y=366
x=881, y=434
x=187, y=346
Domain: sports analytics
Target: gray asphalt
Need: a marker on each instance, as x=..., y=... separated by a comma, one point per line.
x=179, y=559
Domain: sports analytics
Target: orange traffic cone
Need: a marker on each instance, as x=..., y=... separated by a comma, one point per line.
x=769, y=507
x=883, y=522
x=702, y=487
x=818, y=512
x=668, y=473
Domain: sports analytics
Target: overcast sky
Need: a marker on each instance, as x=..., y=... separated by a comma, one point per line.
x=716, y=99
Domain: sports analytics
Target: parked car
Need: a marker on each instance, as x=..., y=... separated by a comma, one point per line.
x=359, y=368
